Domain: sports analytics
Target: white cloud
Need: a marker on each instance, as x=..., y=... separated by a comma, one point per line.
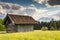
x=11, y=8
x=46, y=13
x=34, y=12
x=31, y=11
x=46, y=3
x=53, y=15
x=1, y=9
x=39, y=14
x=56, y=17
x=40, y=1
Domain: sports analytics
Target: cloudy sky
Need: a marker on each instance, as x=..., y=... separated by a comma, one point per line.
x=41, y=10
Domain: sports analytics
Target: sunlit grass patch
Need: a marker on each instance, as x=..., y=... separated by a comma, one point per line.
x=35, y=35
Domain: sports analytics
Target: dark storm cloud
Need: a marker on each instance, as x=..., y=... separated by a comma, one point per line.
x=54, y=2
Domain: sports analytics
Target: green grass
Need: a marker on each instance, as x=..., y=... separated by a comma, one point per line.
x=36, y=35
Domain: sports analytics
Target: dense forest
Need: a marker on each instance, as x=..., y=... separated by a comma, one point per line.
x=52, y=25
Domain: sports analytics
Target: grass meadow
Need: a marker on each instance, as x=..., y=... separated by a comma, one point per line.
x=35, y=35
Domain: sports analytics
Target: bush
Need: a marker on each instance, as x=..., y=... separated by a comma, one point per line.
x=52, y=28
x=2, y=27
x=44, y=28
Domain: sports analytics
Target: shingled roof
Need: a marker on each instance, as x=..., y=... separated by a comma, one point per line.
x=21, y=19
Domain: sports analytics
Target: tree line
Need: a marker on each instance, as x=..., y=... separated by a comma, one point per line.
x=52, y=25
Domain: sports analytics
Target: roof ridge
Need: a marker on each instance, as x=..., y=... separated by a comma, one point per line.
x=18, y=15
x=22, y=19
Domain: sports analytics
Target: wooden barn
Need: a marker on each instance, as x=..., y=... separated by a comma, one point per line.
x=19, y=23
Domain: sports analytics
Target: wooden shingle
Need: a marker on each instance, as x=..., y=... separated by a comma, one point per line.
x=21, y=19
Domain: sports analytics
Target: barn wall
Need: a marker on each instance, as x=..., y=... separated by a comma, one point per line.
x=24, y=28
x=11, y=28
